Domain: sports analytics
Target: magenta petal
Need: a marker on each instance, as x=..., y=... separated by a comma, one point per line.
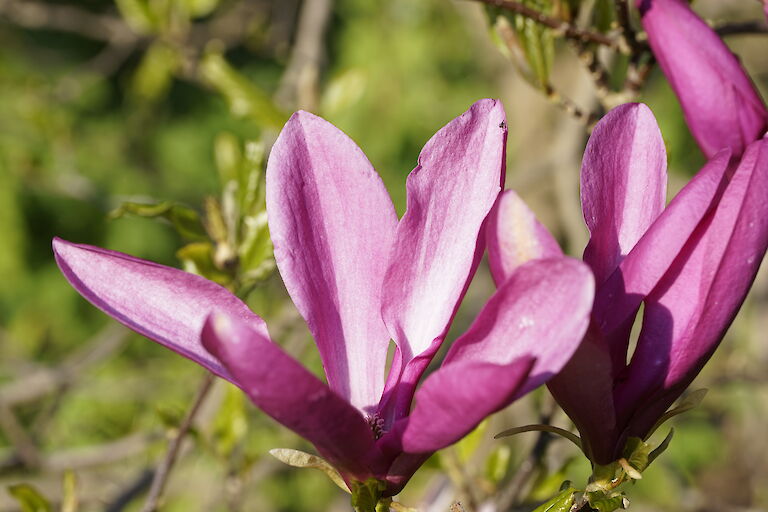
x=515, y=236
x=584, y=389
x=434, y=255
x=623, y=184
x=162, y=303
x=332, y=225
x=282, y=388
x=618, y=300
x=455, y=399
x=541, y=311
x=688, y=313
x=721, y=105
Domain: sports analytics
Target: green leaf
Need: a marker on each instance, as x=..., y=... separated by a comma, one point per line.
x=604, y=14
x=469, y=444
x=662, y=447
x=244, y=97
x=29, y=498
x=184, y=219
x=299, y=459
x=137, y=15
x=541, y=428
x=497, y=464
x=155, y=72
x=231, y=424
x=529, y=44
x=689, y=401
x=560, y=503
x=229, y=156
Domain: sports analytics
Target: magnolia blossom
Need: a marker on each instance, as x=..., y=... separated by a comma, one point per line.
x=720, y=103
x=691, y=264
x=361, y=278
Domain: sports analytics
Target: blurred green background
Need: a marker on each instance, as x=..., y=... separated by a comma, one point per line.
x=104, y=102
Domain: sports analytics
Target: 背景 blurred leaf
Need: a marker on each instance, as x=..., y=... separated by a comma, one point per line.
x=245, y=98
x=184, y=219
x=29, y=498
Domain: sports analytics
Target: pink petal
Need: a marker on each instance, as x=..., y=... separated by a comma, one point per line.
x=541, y=311
x=438, y=246
x=623, y=184
x=162, y=303
x=332, y=225
x=456, y=398
x=282, y=388
x=721, y=105
x=515, y=237
x=690, y=310
x=618, y=300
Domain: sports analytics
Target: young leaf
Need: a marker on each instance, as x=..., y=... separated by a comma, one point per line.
x=301, y=459
x=662, y=447
x=184, y=219
x=245, y=98
x=541, y=428
x=689, y=401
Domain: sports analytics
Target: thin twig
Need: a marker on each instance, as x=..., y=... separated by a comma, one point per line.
x=164, y=469
x=42, y=382
x=568, y=30
x=299, y=83
x=23, y=445
x=742, y=28
x=627, y=32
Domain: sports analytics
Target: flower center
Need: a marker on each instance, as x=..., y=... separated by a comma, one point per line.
x=376, y=423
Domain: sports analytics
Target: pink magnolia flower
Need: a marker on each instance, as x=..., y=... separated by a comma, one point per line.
x=360, y=278
x=720, y=103
x=691, y=264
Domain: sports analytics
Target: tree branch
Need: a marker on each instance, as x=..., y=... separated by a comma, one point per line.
x=165, y=467
x=742, y=28
x=568, y=30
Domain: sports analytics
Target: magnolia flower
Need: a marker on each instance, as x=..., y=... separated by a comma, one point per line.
x=720, y=103
x=361, y=278
x=691, y=264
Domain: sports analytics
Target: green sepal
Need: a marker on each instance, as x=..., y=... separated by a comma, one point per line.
x=560, y=503
x=366, y=496
x=606, y=502
x=662, y=447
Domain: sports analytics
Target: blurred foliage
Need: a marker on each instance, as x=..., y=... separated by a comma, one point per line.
x=129, y=112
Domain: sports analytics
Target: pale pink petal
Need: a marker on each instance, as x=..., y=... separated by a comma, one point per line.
x=282, y=388
x=688, y=313
x=515, y=236
x=456, y=398
x=720, y=103
x=332, y=225
x=438, y=242
x=164, y=304
x=623, y=184
x=542, y=311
